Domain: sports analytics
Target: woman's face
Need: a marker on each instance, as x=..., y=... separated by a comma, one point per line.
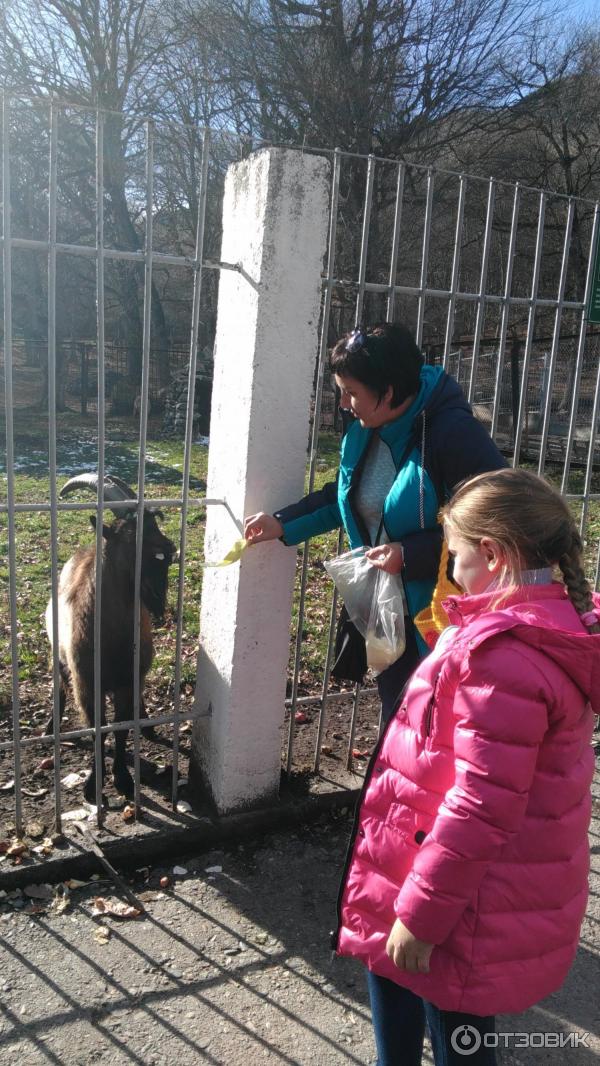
x=365, y=404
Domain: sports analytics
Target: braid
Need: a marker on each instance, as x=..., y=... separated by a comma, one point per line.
x=576, y=582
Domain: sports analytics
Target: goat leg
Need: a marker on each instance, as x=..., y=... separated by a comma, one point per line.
x=123, y=780
x=63, y=684
x=147, y=730
x=89, y=788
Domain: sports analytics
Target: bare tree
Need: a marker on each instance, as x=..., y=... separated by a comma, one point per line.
x=99, y=53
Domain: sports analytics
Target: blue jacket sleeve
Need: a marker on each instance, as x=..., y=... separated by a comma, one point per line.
x=313, y=514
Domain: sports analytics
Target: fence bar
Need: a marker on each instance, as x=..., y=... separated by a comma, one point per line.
x=164, y=719
x=530, y=328
x=580, y=349
x=189, y=424
x=112, y=727
x=344, y=694
x=98, y=700
x=10, y=464
x=555, y=338
x=444, y=294
x=141, y=475
x=52, y=171
x=364, y=243
x=121, y=254
x=124, y=505
x=364, y=248
x=353, y=720
x=326, y=673
x=425, y=257
x=395, y=241
x=328, y=663
x=314, y=441
x=455, y=269
x=510, y=261
x=587, y=488
x=161, y=259
x=485, y=258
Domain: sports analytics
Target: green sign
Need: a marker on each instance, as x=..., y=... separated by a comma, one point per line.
x=593, y=308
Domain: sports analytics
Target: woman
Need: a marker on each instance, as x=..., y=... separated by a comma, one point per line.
x=412, y=439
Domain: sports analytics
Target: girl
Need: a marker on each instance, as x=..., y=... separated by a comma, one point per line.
x=466, y=882
x=412, y=439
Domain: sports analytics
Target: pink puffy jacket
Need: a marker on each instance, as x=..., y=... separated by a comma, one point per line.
x=473, y=823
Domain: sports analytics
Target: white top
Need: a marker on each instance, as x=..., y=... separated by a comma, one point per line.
x=376, y=480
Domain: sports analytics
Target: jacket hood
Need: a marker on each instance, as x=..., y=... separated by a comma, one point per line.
x=447, y=393
x=543, y=617
x=399, y=431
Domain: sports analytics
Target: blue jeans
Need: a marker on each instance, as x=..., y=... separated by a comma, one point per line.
x=399, y=1018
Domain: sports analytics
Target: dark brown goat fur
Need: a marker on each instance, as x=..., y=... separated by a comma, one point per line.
x=76, y=603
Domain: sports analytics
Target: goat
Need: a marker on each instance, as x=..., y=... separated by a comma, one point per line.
x=76, y=603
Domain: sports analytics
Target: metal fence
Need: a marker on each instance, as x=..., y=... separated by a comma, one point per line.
x=470, y=263
x=195, y=266
x=539, y=397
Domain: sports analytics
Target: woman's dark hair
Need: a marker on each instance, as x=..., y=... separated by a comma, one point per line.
x=380, y=356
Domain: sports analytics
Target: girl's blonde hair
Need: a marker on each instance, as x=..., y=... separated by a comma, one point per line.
x=530, y=522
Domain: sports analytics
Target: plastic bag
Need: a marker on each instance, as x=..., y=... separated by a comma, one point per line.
x=373, y=600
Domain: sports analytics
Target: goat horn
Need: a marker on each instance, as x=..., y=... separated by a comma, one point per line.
x=114, y=488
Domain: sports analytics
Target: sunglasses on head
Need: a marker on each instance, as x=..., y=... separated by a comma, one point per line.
x=356, y=340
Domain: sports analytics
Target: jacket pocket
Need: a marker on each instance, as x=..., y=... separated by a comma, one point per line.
x=400, y=818
x=429, y=715
x=407, y=823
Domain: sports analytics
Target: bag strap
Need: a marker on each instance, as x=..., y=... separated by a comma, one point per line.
x=379, y=530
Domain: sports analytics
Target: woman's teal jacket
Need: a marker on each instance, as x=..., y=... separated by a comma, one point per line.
x=435, y=444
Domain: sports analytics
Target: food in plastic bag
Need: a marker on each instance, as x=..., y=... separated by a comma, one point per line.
x=374, y=602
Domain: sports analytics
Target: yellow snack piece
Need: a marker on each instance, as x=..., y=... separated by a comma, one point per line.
x=235, y=552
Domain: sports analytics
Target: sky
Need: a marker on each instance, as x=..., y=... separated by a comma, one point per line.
x=586, y=8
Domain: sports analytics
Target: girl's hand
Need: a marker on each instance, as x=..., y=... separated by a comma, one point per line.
x=406, y=952
x=261, y=526
x=388, y=557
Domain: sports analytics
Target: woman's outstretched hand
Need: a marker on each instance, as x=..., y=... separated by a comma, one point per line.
x=261, y=526
x=406, y=952
x=388, y=557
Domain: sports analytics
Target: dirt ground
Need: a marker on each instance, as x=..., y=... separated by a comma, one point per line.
x=37, y=767
x=229, y=965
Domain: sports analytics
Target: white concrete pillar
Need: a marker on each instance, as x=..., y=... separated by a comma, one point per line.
x=275, y=219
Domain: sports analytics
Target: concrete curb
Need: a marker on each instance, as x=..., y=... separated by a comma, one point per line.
x=129, y=852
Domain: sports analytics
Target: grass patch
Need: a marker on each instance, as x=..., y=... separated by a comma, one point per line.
x=76, y=450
